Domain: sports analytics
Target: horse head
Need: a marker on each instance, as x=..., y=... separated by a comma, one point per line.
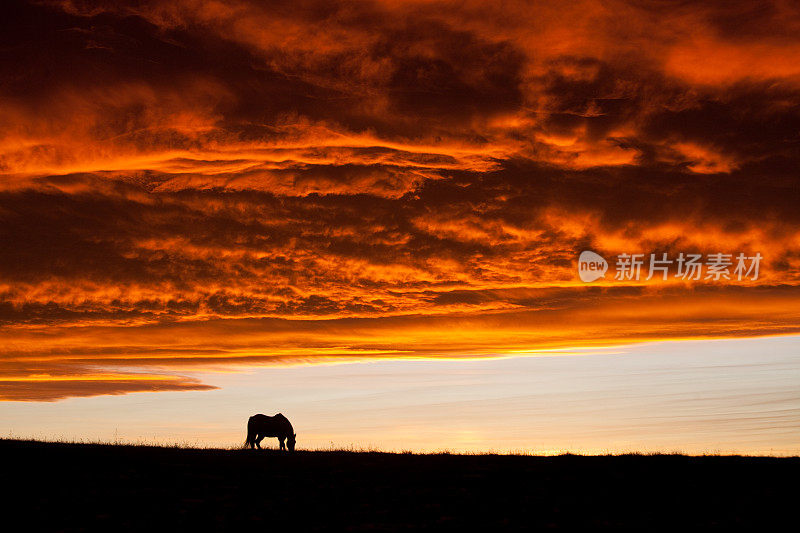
x=290, y=441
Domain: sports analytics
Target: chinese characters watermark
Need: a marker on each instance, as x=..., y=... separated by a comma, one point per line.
x=694, y=267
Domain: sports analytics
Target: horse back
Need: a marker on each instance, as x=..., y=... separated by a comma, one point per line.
x=270, y=426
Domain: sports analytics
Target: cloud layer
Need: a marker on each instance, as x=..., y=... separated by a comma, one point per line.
x=191, y=184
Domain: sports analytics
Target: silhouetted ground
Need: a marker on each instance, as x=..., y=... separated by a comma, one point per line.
x=74, y=487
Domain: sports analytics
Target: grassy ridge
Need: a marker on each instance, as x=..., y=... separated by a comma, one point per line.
x=111, y=488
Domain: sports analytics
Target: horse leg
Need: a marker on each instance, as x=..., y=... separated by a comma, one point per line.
x=283, y=446
x=258, y=441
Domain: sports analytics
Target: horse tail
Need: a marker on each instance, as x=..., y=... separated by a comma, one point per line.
x=251, y=435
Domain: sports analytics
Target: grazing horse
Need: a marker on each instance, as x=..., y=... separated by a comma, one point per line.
x=260, y=426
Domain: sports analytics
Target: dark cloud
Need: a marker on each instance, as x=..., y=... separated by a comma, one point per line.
x=49, y=391
x=384, y=167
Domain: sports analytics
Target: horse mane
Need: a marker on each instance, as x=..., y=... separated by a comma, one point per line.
x=280, y=415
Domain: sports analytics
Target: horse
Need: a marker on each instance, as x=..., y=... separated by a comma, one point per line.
x=260, y=426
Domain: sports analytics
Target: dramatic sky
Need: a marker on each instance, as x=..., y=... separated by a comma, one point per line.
x=198, y=186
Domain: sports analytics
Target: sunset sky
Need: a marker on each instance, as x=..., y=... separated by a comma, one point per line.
x=195, y=191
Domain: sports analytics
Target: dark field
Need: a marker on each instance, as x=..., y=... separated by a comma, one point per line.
x=74, y=487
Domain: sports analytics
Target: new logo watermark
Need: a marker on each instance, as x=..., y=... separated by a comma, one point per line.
x=632, y=267
x=591, y=266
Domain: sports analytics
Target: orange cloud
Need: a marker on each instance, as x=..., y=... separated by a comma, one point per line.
x=192, y=183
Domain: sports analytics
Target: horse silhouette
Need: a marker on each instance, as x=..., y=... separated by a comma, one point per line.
x=260, y=426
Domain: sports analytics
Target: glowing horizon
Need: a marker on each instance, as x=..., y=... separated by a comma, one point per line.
x=694, y=397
